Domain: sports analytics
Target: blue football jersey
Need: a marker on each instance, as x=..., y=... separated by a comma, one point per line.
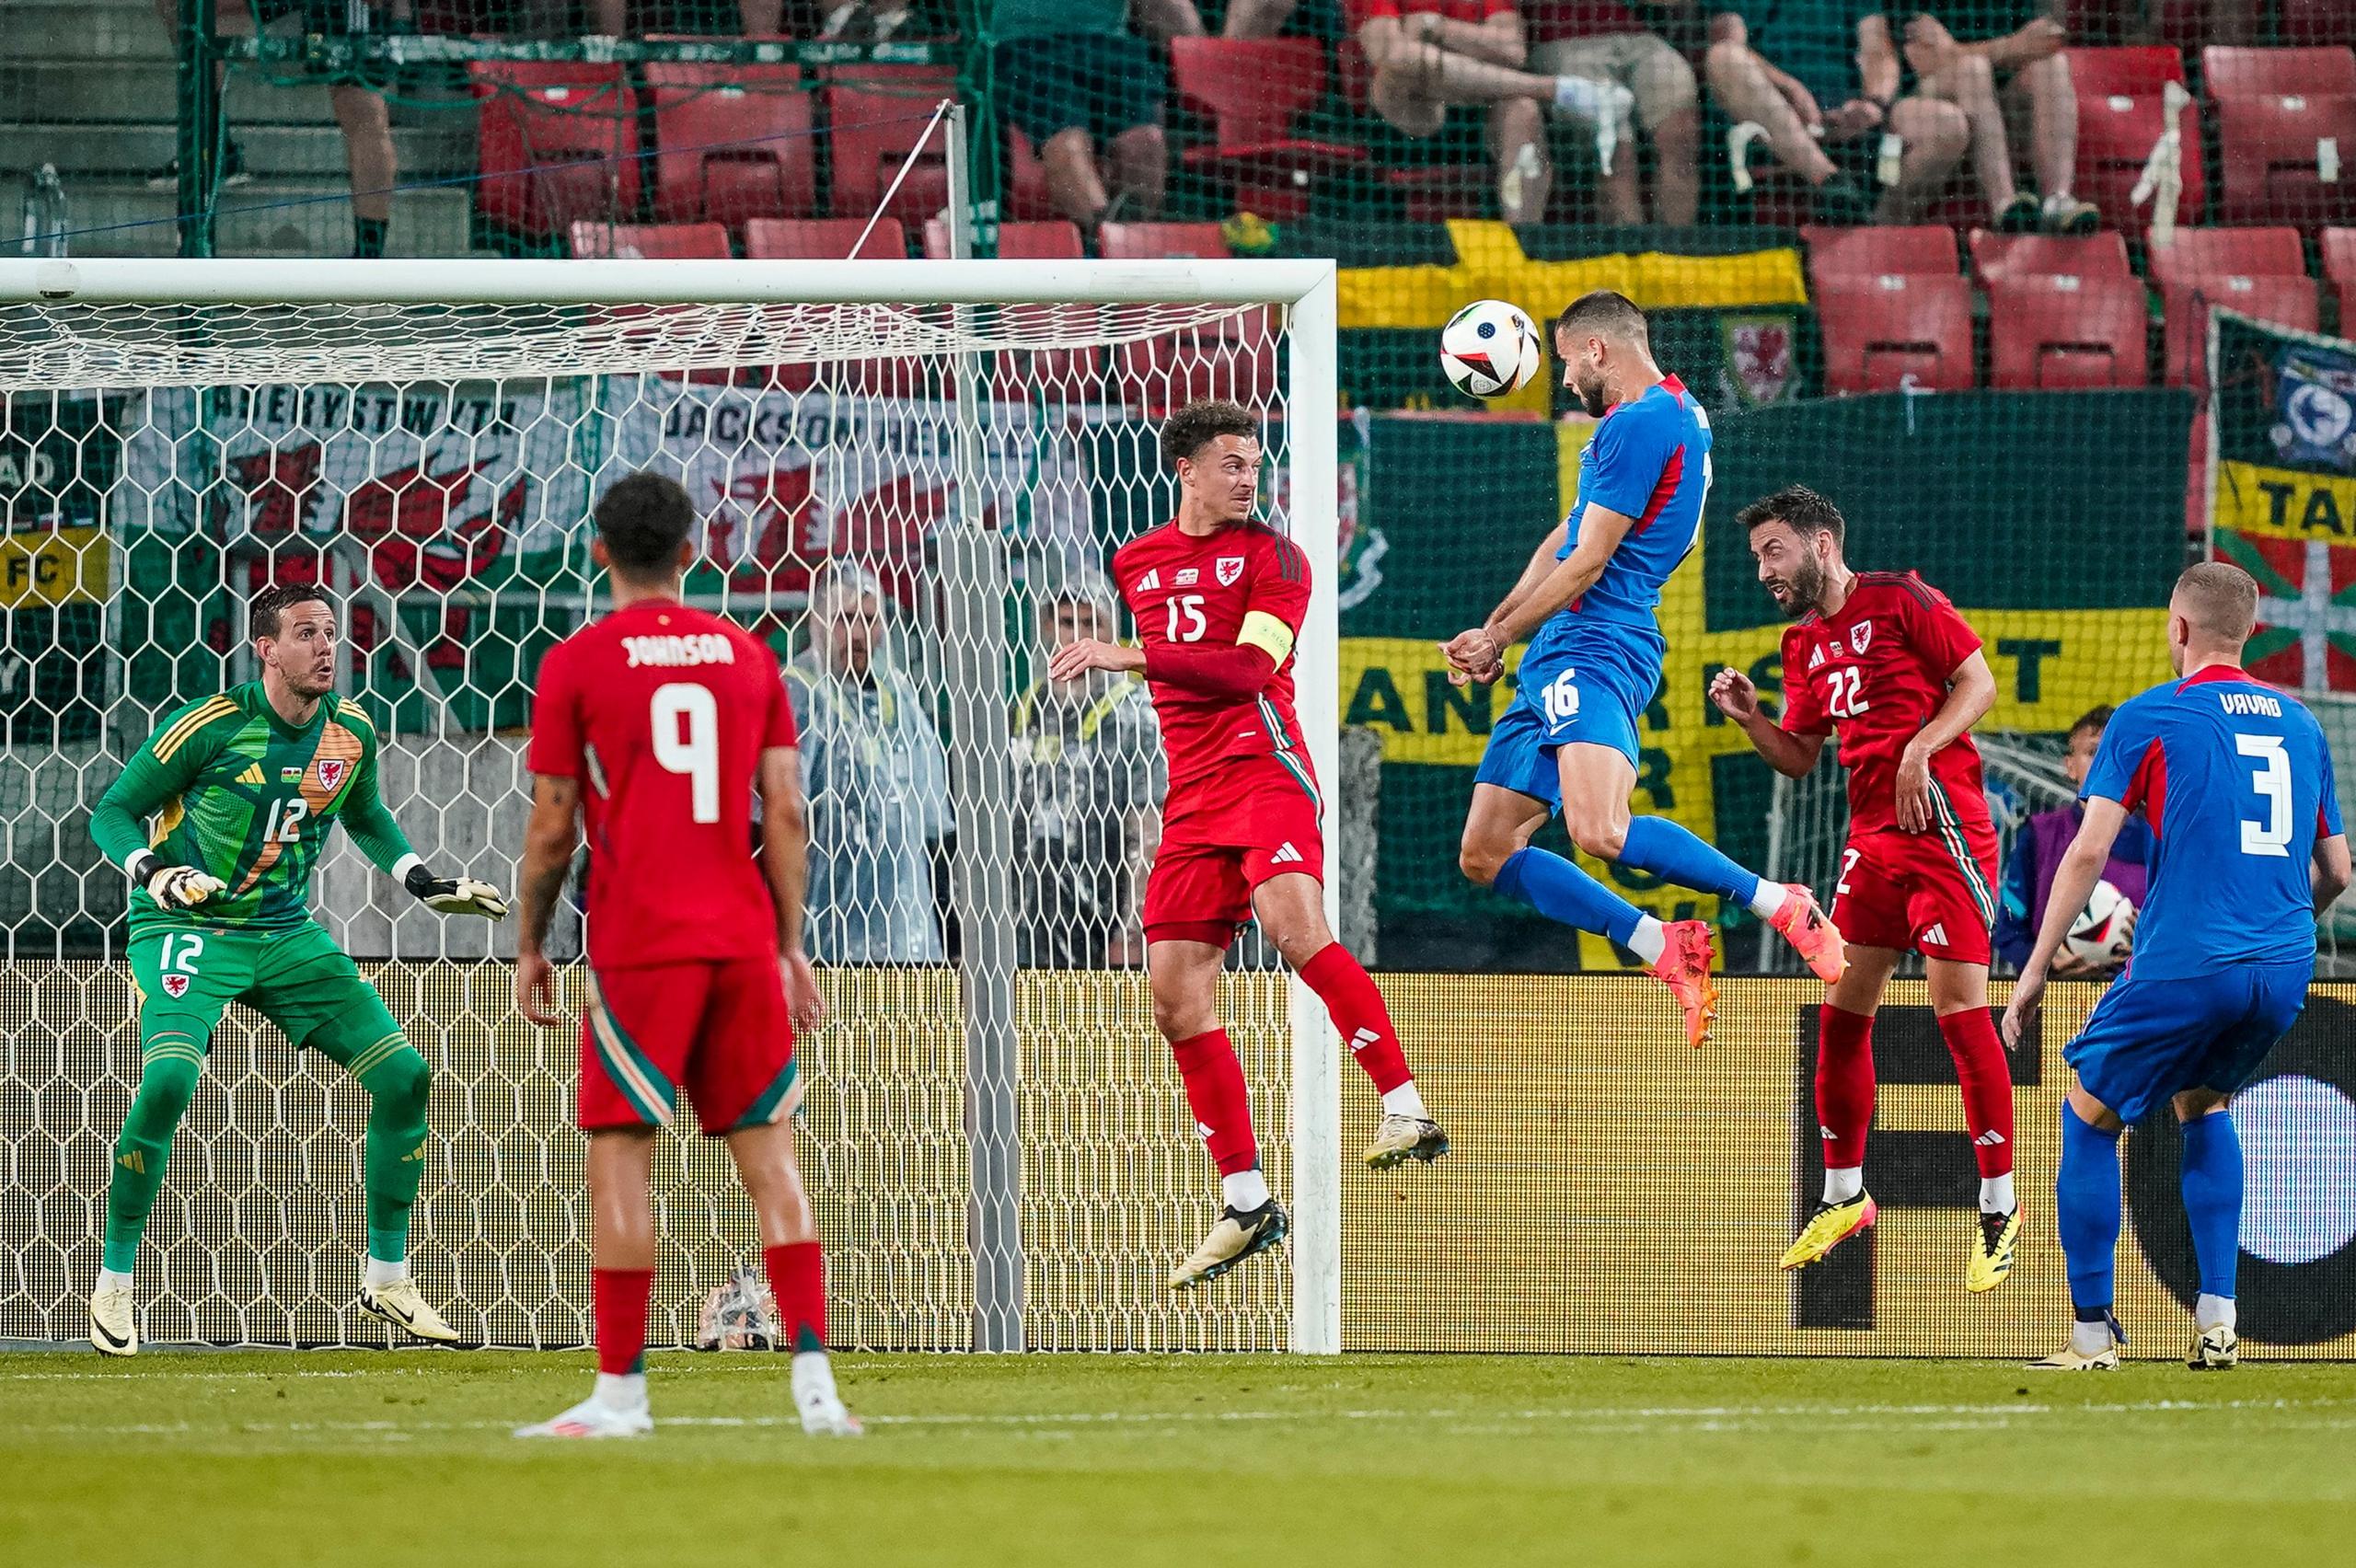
x=1648, y=459
x=2236, y=781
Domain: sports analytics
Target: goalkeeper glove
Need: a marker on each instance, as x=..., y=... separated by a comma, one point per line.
x=455, y=895
x=172, y=887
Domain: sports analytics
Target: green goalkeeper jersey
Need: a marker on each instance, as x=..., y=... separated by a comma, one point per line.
x=237, y=791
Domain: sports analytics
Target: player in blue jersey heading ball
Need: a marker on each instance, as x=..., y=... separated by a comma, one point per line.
x=2236, y=782
x=1568, y=742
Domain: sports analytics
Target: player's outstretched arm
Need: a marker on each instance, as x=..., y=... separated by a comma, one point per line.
x=549, y=839
x=1792, y=755
x=785, y=860
x=118, y=823
x=379, y=836
x=2074, y=883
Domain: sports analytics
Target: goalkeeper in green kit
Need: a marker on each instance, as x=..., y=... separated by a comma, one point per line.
x=242, y=787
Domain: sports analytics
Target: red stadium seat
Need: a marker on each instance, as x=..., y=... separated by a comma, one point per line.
x=734, y=141
x=2312, y=22
x=2275, y=152
x=650, y=242
x=1152, y=242
x=1025, y=194
x=2122, y=115
x=554, y=143
x=2064, y=331
x=2284, y=301
x=1896, y=331
x=2198, y=268
x=1839, y=255
x=1254, y=90
x=1054, y=239
x=2249, y=73
x=2006, y=255
x=2339, y=267
x=874, y=118
x=823, y=239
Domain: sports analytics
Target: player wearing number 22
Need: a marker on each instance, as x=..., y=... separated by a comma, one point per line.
x=242, y=787
x=1882, y=659
x=656, y=725
x=1590, y=596
x=1219, y=599
x=2235, y=783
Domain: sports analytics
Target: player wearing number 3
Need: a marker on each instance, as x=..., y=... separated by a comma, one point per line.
x=656, y=725
x=242, y=787
x=1590, y=594
x=1882, y=659
x=1218, y=598
x=2236, y=782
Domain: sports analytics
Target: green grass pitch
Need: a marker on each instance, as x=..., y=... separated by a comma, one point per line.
x=250, y=1458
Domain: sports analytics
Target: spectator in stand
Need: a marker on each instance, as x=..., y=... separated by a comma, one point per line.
x=1072, y=75
x=1821, y=78
x=360, y=111
x=1428, y=55
x=877, y=776
x=1605, y=41
x=2037, y=856
x=2001, y=62
x=1088, y=770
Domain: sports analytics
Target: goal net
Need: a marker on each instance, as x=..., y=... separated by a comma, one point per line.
x=911, y=475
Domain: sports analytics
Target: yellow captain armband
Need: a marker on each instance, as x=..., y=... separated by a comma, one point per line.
x=1266, y=632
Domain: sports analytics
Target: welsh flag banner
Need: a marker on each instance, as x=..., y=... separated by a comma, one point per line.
x=2283, y=495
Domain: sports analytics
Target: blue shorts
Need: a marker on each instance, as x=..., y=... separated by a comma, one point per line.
x=1590, y=692
x=2148, y=1041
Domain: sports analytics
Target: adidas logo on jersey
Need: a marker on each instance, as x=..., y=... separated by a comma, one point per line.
x=1362, y=1039
x=1989, y=1139
x=252, y=775
x=1287, y=854
x=1936, y=936
x=1816, y=660
x=1148, y=583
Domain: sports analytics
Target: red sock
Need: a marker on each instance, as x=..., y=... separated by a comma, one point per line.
x=1844, y=1085
x=1987, y=1080
x=798, y=1281
x=1358, y=1010
x=618, y=1298
x=1216, y=1094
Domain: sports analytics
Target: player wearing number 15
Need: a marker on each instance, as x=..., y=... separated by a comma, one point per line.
x=1218, y=598
x=242, y=787
x=656, y=725
x=2236, y=782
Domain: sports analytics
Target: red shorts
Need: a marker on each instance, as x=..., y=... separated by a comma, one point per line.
x=720, y=1031
x=1933, y=892
x=1223, y=836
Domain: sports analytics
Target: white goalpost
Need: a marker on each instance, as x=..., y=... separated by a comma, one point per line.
x=907, y=469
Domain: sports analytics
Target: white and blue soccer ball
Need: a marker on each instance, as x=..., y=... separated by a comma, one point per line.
x=1489, y=349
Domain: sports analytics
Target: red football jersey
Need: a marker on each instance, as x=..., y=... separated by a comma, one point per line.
x=662, y=713
x=1874, y=674
x=1184, y=588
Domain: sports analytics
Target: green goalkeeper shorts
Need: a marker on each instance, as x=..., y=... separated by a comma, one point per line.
x=298, y=979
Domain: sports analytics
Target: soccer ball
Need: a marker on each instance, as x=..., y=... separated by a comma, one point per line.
x=2100, y=934
x=1489, y=349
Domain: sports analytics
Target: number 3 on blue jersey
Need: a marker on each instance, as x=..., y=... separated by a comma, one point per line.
x=2271, y=837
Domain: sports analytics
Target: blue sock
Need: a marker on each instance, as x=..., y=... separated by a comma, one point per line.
x=1560, y=891
x=2085, y=1208
x=2213, y=1198
x=1661, y=846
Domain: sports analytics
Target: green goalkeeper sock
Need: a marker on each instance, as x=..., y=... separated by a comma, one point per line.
x=165, y=1084
x=397, y=1081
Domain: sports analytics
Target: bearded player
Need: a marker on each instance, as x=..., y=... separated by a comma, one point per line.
x=1568, y=742
x=1883, y=660
x=242, y=787
x=1218, y=598
x=656, y=724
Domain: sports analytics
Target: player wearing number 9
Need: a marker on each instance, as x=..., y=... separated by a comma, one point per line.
x=653, y=728
x=242, y=787
x=2237, y=784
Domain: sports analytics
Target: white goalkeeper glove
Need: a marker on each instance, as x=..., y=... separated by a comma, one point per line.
x=455, y=895
x=175, y=888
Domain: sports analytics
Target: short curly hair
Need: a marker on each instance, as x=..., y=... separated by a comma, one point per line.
x=1202, y=421
x=643, y=519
